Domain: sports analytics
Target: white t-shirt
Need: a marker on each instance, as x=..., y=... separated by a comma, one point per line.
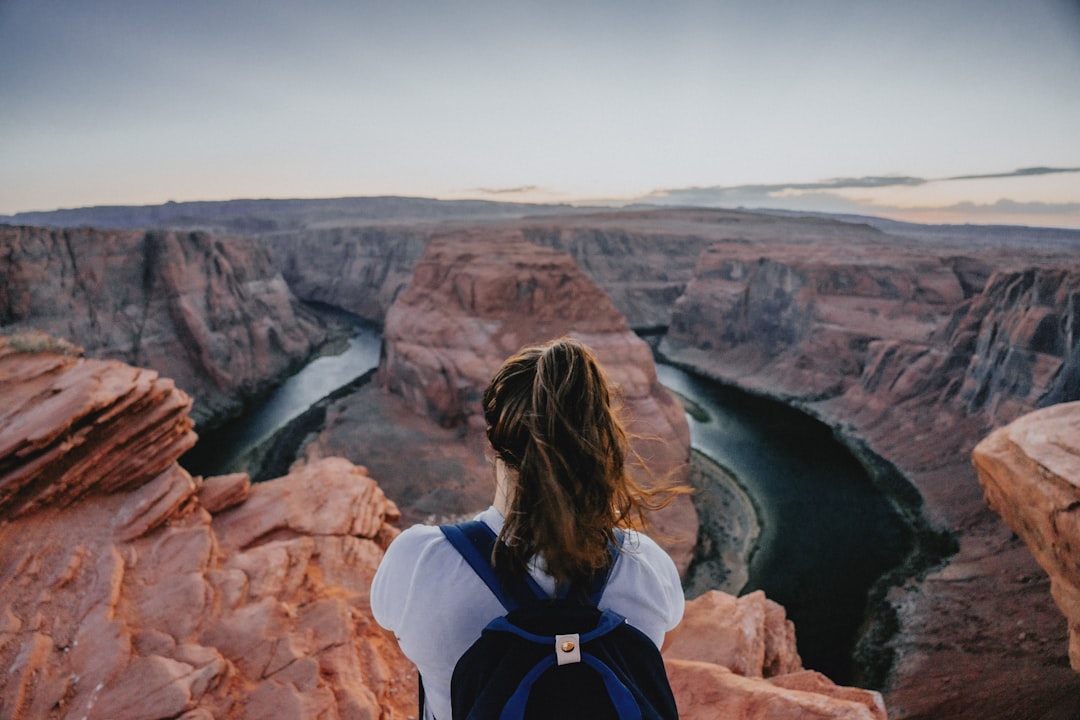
x=429, y=597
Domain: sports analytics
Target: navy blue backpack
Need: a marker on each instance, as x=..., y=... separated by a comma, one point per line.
x=553, y=657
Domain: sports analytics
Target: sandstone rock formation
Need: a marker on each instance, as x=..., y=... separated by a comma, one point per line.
x=1030, y=470
x=803, y=319
x=132, y=590
x=643, y=270
x=359, y=269
x=913, y=360
x=644, y=258
x=736, y=658
x=209, y=312
x=475, y=300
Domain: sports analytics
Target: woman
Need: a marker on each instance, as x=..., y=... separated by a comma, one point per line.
x=561, y=490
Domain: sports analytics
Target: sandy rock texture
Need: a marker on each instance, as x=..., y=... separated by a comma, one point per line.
x=913, y=353
x=736, y=658
x=475, y=300
x=209, y=312
x=1030, y=470
x=132, y=590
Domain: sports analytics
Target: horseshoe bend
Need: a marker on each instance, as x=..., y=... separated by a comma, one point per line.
x=121, y=571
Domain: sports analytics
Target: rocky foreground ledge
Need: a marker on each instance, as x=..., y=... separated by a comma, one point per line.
x=130, y=589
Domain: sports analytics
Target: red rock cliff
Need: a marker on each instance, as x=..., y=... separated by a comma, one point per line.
x=916, y=359
x=132, y=590
x=360, y=270
x=1030, y=471
x=211, y=313
x=474, y=301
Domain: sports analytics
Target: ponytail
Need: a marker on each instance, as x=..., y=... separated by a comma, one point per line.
x=551, y=419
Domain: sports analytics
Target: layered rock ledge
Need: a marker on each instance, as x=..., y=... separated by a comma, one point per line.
x=132, y=590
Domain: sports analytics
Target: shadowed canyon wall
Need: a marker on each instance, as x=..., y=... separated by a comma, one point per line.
x=361, y=270
x=211, y=313
x=915, y=360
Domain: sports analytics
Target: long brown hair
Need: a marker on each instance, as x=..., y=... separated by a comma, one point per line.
x=551, y=418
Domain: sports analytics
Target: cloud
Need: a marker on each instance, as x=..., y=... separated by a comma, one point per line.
x=506, y=191
x=768, y=193
x=763, y=191
x=1022, y=172
x=826, y=197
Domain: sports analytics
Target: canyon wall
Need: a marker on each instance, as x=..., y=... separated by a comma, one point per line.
x=643, y=259
x=359, y=269
x=912, y=360
x=131, y=589
x=474, y=300
x=209, y=312
x=643, y=273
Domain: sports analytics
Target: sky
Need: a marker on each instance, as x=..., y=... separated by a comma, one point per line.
x=925, y=110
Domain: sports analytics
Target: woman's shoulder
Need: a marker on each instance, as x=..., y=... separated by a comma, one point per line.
x=415, y=537
x=645, y=586
x=416, y=548
x=415, y=561
x=644, y=549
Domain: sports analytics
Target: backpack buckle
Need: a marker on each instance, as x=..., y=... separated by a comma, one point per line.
x=567, y=649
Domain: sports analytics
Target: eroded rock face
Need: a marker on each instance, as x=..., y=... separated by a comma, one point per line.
x=123, y=595
x=736, y=658
x=474, y=301
x=1030, y=470
x=804, y=317
x=361, y=270
x=209, y=312
x=643, y=270
x=916, y=365
x=70, y=426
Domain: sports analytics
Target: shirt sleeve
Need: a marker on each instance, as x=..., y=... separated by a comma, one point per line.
x=645, y=588
x=394, y=577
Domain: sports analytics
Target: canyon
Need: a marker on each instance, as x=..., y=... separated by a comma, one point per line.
x=134, y=590
x=913, y=347
x=210, y=312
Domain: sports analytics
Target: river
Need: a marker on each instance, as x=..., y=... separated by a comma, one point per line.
x=826, y=533
x=233, y=441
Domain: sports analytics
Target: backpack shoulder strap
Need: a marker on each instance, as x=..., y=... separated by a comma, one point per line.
x=475, y=542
